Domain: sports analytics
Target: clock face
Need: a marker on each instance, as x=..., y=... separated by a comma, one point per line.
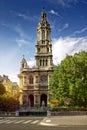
x=43, y=78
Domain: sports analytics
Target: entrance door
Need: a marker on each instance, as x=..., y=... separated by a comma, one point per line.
x=31, y=100
x=43, y=100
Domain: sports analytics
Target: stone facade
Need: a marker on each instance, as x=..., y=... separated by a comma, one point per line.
x=7, y=83
x=11, y=87
x=34, y=82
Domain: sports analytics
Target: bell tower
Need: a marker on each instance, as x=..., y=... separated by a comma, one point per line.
x=34, y=82
x=43, y=54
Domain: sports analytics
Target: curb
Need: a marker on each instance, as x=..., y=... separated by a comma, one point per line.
x=63, y=125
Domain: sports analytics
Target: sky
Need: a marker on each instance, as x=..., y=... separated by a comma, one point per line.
x=18, y=31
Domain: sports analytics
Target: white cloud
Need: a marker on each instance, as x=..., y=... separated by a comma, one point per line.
x=67, y=45
x=84, y=2
x=64, y=3
x=65, y=26
x=67, y=3
x=81, y=31
x=20, y=31
x=31, y=62
x=61, y=47
x=13, y=77
x=26, y=17
x=4, y=25
x=23, y=37
x=9, y=63
x=22, y=42
x=53, y=12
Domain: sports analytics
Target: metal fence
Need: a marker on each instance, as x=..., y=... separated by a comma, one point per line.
x=42, y=113
x=63, y=113
x=4, y=114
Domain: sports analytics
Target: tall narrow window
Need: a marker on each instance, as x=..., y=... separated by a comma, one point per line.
x=43, y=62
x=46, y=62
x=25, y=79
x=47, y=35
x=24, y=98
x=22, y=65
x=39, y=35
x=31, y=80
x=38, y=50
x=37, y=79
x=47, y=49
x=40, y=62
x=43, y=34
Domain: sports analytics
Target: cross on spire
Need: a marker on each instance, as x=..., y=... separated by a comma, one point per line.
x=43, y=8
x=23, y=56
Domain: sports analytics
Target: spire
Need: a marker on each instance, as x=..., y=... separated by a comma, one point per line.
x=43, y=55
x=43, y=14
x=23, y=59
x=43, y=22
x=23, y=55
x=23, y=63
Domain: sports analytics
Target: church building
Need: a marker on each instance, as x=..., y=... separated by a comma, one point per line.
x=34, y=82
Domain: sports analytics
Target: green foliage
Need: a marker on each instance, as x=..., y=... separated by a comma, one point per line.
x=53, y=103
x=8, y=103
x=2, y=89
x=69, y=80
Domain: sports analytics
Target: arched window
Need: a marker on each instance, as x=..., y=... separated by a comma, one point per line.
x=47, y=49
x=40, y=62
x=22, y=65
x=43, y=100
x=37, y=79
x=24, y=79
x=43, y=62
x=24, y=98
x=31, y=100
x=46, y=62
x=47, y=34
x=39, y=35
x=38, y=50
x=30, y=80
x=43, y=34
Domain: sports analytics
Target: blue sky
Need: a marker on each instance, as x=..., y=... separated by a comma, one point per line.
x=18, y=30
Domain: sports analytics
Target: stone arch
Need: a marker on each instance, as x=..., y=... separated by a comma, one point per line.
x=43, y=100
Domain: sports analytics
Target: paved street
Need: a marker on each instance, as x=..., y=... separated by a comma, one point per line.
x=20, y=123
x=76, y=120
x=32, y=123
x=20, y=120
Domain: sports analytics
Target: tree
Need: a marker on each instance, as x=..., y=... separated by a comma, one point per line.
x=2, y=89
x=69, y=80
x=8, y=103
x=54, y=103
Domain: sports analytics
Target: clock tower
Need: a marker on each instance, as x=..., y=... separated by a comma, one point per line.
x=34, y=82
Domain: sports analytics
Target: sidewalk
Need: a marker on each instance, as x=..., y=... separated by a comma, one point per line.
x=65, y=121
